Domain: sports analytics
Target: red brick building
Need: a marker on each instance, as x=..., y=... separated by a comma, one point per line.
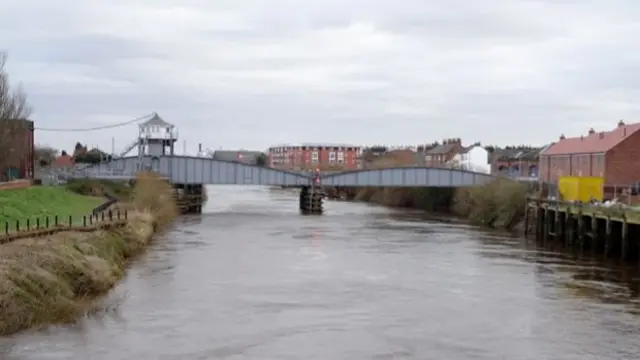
x=440, y=155
x=18, y=148
x=308, y=156
x=613, y=155
x=390, y=158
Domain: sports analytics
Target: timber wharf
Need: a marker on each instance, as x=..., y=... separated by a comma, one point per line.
x=612, y=231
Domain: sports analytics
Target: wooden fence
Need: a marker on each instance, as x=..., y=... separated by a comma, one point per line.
x=48, y=225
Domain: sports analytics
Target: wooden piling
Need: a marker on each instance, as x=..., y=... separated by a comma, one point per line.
x=526, y=219
x=594, y=233
x=580, y=230
x=607, y=235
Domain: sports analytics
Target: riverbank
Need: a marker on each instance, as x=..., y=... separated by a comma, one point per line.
x=50, y=279
x=499, y=204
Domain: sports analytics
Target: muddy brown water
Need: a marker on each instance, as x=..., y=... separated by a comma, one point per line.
x=252, y=279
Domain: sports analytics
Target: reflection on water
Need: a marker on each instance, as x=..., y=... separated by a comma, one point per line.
x=251, y=279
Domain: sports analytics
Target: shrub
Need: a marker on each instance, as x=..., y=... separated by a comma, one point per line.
x=91, y=187
x=499, y=204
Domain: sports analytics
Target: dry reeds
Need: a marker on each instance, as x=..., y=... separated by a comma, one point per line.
x=46, y=280
x=154, y=195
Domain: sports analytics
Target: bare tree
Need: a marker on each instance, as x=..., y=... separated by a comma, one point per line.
x=14, y=110
x=45, y=155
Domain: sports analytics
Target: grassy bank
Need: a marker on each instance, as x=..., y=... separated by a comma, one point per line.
x=48, y=280
x=499, y=204
x=42, y=201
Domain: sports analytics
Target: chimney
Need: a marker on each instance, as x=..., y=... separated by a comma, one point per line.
x=620, y=123
x=591, y=131
x=601, y=134
x=562, y=137
x=581, y=137
x=624, y=131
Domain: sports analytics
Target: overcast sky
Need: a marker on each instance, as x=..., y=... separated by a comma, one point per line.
x=250, y=73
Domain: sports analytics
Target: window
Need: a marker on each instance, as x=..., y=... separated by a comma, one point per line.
x=340, y=156
x=332, y=157
x=314, y=157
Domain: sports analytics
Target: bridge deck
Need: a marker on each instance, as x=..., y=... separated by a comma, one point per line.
x=198, y=170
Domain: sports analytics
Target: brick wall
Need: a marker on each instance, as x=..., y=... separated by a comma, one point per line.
x=20, y=150
x=622, y=165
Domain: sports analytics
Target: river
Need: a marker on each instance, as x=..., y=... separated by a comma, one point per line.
x=252, y=279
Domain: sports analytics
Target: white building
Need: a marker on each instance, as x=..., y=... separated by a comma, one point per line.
x=473, y=158
x=156, y=137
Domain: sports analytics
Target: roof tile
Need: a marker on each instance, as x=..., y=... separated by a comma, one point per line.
x=597, y=142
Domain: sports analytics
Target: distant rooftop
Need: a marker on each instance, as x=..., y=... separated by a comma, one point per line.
x=315, y=145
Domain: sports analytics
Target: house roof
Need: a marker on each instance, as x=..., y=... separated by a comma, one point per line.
x=156, y=121
x=466, y=149
x=520, y=153
x=596, y=142
x=63, y=161
x=443, y=149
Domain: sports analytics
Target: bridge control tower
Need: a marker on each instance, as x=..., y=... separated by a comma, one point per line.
x=156, y=138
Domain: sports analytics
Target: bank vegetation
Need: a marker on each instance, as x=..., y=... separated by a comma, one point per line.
x=49, y=279
x=499, y=204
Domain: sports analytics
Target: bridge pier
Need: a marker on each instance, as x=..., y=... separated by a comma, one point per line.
x=189, y=197
x=311, y=200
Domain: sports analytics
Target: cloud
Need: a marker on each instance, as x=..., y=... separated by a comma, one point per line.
x=247, y=74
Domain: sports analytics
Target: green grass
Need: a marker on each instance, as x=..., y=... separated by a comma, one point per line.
x=42, y=201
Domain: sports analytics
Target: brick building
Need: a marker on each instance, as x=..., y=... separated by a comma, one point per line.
x=440, y=155
x=612, y=155
x=391, y=158
x=18, y=148
x=308, y=156
x=517, y=161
